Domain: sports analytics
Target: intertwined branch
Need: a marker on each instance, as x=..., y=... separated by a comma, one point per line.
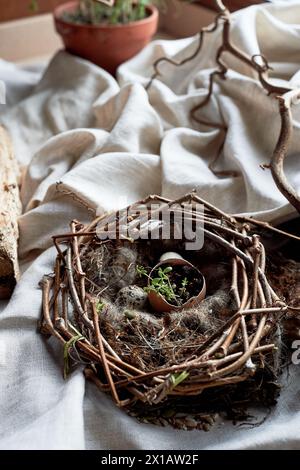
x=286, y=96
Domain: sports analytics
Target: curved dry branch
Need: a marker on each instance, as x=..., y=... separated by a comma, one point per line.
x=260, y=65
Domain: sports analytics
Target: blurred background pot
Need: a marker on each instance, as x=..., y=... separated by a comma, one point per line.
x=106, y=45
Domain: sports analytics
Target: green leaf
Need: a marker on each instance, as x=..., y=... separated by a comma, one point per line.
x=34, y=6
x=68, y=345
x=167, y=270
x=130, y=314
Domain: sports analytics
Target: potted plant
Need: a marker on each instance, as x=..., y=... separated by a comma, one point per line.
x=173, y=284
x=106, y=32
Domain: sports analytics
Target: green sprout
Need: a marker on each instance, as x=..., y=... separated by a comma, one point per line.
x=122, y=11
x=183, y=288
x=160, y=284
x=141, y=271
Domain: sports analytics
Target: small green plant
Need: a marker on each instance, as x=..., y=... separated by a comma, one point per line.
x=68, y=345
x=178, y=378
x=141, y=271
x=107, y=11
x=99, y=307
x=104, y=11
x=162, y=284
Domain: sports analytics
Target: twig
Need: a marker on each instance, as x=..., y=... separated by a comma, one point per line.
x=102, y=354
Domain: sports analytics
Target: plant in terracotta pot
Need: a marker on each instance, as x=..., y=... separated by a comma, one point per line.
x=106, y=32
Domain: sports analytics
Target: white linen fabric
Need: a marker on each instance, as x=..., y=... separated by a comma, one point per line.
x=111, y=143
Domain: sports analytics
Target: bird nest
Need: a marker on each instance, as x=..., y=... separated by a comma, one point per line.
x=223, y=349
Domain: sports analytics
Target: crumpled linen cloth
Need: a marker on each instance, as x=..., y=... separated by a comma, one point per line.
x=112, y=143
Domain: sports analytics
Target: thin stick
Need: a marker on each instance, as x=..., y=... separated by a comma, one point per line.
x=102, y=354
x=78, y=265
x=265, y=225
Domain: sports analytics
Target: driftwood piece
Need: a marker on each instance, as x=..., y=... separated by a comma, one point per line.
x=10, y=209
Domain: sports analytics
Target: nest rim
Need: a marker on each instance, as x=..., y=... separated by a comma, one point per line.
x=259, y=309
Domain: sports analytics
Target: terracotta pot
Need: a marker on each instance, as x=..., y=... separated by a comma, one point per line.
x=105, y=45
x=159, y=303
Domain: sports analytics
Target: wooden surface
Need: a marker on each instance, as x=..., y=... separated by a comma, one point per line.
x=10, y=209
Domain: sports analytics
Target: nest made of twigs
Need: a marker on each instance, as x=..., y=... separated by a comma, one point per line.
x=146, y=360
